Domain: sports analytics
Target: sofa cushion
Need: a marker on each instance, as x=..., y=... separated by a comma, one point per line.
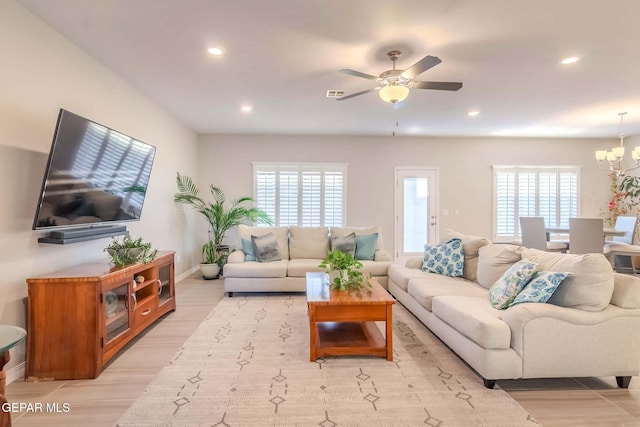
x=475, y=318
x=540, y=288
x=265, y=248
x=432, y=285
x=281, y=233
x=366, y=246
x=509, y=285
x=375, y=268
x=308, y=242
x=400, y=275
x=494, y=260
x=470, y=245
x=256, y=269
x=590, y=285
x=299, y=267
x=446, y=259
x=346, y=244
x=360, y=231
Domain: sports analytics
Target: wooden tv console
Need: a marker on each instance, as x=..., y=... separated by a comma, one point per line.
x=79, y=317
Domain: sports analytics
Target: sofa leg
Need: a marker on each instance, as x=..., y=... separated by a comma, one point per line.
x=623, y=382
x=230, y=294
x=489, y=383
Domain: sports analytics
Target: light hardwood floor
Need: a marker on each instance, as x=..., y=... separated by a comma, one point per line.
x=100, y=402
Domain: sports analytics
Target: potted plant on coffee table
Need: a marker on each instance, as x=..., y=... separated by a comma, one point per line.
x=221, y=218
x=344, y=271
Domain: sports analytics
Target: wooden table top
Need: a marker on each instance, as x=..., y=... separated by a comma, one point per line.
x=319, y=292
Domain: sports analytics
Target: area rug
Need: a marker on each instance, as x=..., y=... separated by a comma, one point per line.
x=248, y=364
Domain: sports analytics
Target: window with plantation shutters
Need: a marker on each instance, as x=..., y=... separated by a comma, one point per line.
x=549, y=192
x=304, y=194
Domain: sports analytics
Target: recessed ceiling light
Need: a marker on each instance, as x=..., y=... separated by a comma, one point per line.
x=217, y=51
x=473, y=113
x=246, y=108
x=570, y=60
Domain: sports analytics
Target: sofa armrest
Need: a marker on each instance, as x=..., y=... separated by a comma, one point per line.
x=235, y=257
x=520, y=316
x=414, y=262
x=382, y=256
x=626, y=291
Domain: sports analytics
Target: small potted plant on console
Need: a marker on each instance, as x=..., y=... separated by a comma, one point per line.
x=130, y=251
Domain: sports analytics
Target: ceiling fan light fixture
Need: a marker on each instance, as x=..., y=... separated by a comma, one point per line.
x=393, y=93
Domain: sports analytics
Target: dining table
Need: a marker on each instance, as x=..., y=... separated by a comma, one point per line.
x=606, y=232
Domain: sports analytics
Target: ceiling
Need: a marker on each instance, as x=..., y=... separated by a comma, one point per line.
x=283, y=55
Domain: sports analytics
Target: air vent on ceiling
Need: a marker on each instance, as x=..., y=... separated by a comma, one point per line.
x=334, y=93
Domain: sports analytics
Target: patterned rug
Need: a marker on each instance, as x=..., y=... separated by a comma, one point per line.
x=248, y=364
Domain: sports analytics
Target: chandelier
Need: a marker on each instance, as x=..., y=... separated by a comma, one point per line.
x=615, y=155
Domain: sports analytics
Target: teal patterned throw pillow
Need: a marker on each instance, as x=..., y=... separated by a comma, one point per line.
x=446, y=259
x=507, y=287
x=541, y=287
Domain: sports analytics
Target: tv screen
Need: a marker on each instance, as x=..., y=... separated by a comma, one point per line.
x=95, y=175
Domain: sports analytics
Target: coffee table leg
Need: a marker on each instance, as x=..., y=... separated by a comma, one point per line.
x=389, y=332
x=313, y=333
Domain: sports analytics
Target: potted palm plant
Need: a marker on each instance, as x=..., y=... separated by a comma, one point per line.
x=219, y=217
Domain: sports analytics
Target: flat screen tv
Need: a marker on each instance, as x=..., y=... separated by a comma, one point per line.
x=95, y=175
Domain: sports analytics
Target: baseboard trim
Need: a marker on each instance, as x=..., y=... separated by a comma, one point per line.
x=15, y=373
x=187, y=273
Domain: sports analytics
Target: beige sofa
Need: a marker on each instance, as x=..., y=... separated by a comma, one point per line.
x=301, y=250
x=589, y=327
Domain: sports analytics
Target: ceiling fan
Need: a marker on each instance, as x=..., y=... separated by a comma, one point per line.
x=394, y=84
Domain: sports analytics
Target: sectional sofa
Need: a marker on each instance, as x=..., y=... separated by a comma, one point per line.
x=300, y=250
x=589, y=327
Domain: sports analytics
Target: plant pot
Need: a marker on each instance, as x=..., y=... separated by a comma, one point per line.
x=209, y=271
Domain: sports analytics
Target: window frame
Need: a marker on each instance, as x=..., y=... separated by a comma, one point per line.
x=496, y=169
x=300, y=168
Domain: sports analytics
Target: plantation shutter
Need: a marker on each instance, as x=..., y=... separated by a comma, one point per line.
x=549, y=192
x=309, y=195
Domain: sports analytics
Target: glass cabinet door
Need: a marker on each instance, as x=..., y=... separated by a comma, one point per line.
x=116, y=312
x=164, y=288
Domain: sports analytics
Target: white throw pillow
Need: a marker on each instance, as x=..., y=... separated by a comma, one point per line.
x=590, y=285
x=470, y=245
x=494, y=260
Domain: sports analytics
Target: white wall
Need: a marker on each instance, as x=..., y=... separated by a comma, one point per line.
x=42, y=72
x=465, y=173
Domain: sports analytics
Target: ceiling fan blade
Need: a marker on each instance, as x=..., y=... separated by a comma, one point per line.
x=357, y=94
x=437, y=85
x=421, y=66
x=358, y=74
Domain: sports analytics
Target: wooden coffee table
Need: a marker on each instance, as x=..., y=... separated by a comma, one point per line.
x=342, y=323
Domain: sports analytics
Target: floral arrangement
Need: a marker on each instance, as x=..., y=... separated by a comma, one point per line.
x=625, y=198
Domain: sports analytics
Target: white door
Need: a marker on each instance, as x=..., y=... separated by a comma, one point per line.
x=416, y=207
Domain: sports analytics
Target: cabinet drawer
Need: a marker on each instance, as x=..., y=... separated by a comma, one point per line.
x=145, y=313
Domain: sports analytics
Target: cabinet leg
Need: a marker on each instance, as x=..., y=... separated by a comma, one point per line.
x=230, y=294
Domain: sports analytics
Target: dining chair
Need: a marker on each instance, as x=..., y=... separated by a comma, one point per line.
x=534, y=235
x=622, y=249
x=586, y=236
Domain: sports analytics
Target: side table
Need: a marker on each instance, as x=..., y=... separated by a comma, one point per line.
x=10, y=336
